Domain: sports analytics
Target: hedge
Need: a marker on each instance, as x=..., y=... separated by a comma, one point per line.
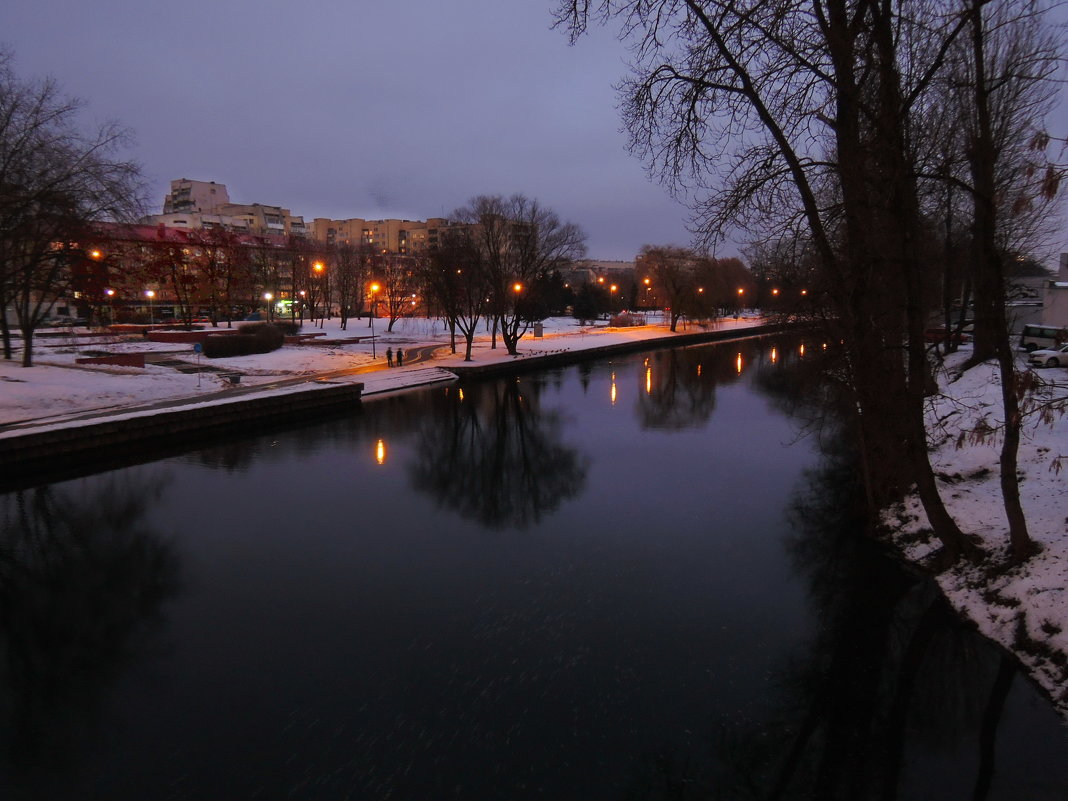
x=250, y=338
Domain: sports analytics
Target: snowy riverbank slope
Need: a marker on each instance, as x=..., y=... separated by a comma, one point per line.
x=1025, y=608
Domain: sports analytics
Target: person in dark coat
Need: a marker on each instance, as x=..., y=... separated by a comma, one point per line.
x=389, y=357
x=400, y=357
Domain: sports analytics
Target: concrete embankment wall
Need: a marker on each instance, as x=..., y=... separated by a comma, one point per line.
x=38, y=457
x=533, y=360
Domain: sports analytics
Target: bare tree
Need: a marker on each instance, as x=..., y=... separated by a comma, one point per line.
x=55, y=178
x=671, y=272
x=779, y=113
x=454, y=275
x=521, y=241
x=397, y=276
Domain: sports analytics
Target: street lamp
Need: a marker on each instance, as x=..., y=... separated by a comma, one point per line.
x=374, y=289
x=150, y=294
x=319, y=267
x=111, y=305
x=267, y=296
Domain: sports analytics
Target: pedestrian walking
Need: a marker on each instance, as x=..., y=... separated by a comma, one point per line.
x=400, y=357
x=389, y=357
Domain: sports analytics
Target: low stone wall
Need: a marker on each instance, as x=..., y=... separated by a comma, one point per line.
x=121, y=359
x=177, y=336
x=538, y=361
x=79, y=448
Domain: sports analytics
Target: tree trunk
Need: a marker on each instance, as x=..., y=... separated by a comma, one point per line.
x=990, y=294
x=27, y=346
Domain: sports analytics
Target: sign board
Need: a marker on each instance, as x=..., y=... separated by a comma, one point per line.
x=198, y=347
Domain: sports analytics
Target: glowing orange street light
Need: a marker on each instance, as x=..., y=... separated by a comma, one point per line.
x=96, y=254
x=518, y=287
x=150, y=294
x=371, y=324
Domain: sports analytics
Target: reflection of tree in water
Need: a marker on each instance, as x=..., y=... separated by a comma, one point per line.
x=491, y=454
x=679, y=386
x=82, y=578
x=891, y=672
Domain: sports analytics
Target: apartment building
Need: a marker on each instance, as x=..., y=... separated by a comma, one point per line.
x=395, y=236
x=187, y=197
x=206, y=204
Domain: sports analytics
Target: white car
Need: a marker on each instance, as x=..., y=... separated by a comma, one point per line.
x=1050, y=357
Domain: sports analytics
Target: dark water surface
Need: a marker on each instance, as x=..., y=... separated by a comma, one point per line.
x=622, y=580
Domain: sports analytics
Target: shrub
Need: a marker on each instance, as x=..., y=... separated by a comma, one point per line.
x=251, y=338
x=285, y=326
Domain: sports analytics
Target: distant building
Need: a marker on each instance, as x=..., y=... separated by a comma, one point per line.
x=1055, y=302
x=206, y=197
x=395, y=236
x=206, y=204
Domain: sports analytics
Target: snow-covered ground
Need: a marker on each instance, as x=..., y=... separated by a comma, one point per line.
x=56, y=387
x=1024, y=608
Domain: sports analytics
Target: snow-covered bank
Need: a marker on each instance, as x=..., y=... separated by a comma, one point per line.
x=57, y=387
x=1025, y=608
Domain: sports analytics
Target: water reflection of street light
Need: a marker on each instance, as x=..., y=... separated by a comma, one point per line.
x=150, y=294
x=380, y=452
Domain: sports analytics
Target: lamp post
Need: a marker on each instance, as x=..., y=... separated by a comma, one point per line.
x=319, y=267
x=374, y=289
x=150, y=294
x=111, y=305
x=267, y=296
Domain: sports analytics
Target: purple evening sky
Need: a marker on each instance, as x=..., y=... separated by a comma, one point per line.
x=357, y=109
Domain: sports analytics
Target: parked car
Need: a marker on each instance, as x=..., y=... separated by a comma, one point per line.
x=939, y=335
x=1049, y=357
x=1034, y=337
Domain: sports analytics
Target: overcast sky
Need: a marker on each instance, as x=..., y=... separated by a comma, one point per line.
x=344, y=108
x=349, y=108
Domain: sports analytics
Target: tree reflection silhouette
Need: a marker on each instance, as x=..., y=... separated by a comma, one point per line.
x=894, y=694
x=82, y=577
x=489, y=453
x=679, y=385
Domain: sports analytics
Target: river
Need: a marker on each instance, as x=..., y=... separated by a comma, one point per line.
x=637, y=578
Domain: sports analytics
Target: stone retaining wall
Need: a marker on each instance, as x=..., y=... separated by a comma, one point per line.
x=76, y=449
x=537, y=361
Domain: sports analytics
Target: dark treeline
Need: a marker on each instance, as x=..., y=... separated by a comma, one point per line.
x=859, y=143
